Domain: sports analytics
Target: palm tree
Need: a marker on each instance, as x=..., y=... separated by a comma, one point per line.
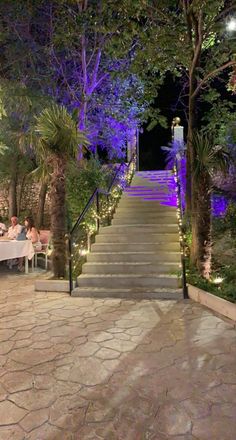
x=209, y=159
x=59, y=138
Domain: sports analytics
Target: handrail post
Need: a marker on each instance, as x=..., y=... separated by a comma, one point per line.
x=70, y=264
x=108, y=206
x=97, y=210
x=185, y=287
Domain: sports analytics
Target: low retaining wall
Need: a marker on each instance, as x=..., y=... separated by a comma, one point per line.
x=52, y=285
x=213, y=302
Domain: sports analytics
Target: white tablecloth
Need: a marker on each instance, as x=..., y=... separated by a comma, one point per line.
x=15, y=249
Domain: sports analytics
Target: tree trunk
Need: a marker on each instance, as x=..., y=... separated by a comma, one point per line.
x=190, y=157
x=12, y=196
x=58, y=217
x=201, y=225
x=41, y=204
x=20, y=192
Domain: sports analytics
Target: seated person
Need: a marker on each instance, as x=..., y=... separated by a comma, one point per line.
x=14, y=229
x=13, y=232
x=32, y=233
x=3, y=227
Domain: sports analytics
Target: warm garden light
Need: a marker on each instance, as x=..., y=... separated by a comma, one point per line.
x=218, y=280
x=83, y=252
x=231, y=25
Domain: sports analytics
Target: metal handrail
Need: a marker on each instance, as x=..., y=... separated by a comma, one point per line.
x=87, y=206
x=94, y=196
x=180, y=224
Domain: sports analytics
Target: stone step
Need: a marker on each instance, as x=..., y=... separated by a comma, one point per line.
x=130, y=268
x=128, y=281
x=143, y=237
x=157, y=180
x=145, y=220
x=150, y=194
x=139, y=229
x=140, y=202
x=122, y=257
x=147, y=209
x=135, y=293
x=150, y=215
x=162, y=189
x=136, y=247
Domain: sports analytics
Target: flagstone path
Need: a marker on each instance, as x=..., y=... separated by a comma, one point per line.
x=88, y=369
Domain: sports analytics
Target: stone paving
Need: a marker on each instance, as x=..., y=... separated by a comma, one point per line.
x=83, y=369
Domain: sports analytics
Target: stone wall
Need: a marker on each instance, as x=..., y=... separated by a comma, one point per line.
x=29, y=201
x=3, y=202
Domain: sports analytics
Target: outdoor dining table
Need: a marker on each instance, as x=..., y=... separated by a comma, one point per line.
x=10, y=249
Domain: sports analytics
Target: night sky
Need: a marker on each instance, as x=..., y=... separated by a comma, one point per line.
x=151, y=155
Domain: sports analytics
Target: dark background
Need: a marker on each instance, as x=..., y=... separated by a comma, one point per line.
x=151, y=157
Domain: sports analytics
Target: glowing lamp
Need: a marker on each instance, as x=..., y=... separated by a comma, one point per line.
x=218, y=280
x=231, y=25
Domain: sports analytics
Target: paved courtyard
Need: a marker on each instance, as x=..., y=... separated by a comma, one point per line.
x=83, y=369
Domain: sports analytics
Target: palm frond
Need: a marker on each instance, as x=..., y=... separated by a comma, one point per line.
x=209, y=157
x=58, y=131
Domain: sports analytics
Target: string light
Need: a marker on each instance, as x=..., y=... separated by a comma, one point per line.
x=89, y=226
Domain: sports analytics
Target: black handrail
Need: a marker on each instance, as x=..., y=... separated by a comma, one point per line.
x=87, y=206
x=95, y=194
x=116, y=174
x=181, y=231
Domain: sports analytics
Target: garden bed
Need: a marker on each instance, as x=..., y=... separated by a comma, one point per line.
x=219, y=305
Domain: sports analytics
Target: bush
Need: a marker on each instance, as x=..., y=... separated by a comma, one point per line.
x=225, y=289
x=81, y=182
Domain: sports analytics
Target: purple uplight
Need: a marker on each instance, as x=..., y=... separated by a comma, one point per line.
x=219, y=205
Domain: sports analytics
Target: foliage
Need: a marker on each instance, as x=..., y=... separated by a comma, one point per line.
x=223, y=228
x=58, y=132
x=81, y=182
x=58, y=142
x=227, y=223
x=219, y=117
x=225, y=289
x=81, y=54
x=176, y=150
x=209, y=157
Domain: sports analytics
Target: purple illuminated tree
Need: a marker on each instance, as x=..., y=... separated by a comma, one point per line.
x=75, y=51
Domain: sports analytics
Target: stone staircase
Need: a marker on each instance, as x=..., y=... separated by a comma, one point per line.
x=138, y=256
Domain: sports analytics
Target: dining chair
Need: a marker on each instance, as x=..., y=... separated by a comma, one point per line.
x=44, y=237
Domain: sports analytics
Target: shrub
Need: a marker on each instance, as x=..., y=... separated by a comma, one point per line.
x=81, y=182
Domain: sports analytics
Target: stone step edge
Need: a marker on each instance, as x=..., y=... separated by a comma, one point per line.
x=139, y=242
x=121, y=275
x=141, y=226
x=127, y=294
x=132, y=263
x=153, y=253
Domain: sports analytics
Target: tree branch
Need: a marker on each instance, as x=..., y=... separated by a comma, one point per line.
x=93, y=84
x=101, y=79
x=84, y=63
x=211, y=75
x=198, y=42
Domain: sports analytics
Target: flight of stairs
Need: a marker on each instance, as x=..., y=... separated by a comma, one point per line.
x=138, y=256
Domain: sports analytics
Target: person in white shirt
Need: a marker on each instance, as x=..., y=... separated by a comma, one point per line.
x=14, y=229
x=13, y=232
